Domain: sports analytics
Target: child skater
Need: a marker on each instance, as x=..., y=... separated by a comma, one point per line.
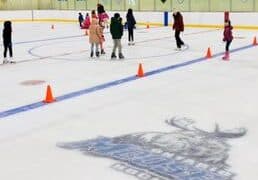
x=103, y=16
x=86, y=23
x=95, y=35
x=178, y=26
x=130, y=25
x=228, y=37
x=7, y=40
x=116, y=30
x=80, y=19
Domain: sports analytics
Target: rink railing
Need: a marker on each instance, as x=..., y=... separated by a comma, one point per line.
x=192, y=20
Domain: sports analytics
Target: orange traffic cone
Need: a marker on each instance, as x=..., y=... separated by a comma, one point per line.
x=208, y=55
x=140, y=71
x=49, y=97
x=254, y=41
x=52, y=26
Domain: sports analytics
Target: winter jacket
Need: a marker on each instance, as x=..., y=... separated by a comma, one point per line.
x=116, y=28
x=7, y=33
x=178, y=22
x=103, y=17
x=80, y=18
x=228, y=36
x=95, y=31
x=130, y=21
x=86, y=23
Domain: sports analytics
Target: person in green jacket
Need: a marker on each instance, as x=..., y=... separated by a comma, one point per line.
x=116, y=30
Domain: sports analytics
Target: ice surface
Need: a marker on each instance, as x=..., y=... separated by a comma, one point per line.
x=209, y=92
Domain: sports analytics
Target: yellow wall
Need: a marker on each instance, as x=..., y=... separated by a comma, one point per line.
x=25, y=4
x=138, y=5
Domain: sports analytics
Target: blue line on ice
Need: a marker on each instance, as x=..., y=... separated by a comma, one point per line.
x=110, y=84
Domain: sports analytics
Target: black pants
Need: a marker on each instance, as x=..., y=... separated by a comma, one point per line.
x=227, y=45
x=130, y=34
x=179, y=42
x=6, y=47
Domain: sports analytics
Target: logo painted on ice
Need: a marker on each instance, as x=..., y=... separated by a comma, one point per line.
x=188, y=153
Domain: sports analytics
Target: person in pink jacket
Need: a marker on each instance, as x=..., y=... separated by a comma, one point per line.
x=94, y=35
x=86, y=23
x=228, y=37
x=103, y=16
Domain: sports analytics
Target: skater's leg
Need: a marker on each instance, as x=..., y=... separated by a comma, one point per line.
x=227, y=45
x=119, y=45
x=121, y=56
x=97, y=49
x=115, y=41
x=178, y=43
x=10, y=50
x=5, y=50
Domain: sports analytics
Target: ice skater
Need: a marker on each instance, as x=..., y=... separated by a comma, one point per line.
x=7, y=41
x=116, y=30
x=178, y=26
x=95, y=34
x=80, y=19
x=228, y=37
x=130, y=25
x=86, y=22
x=103, y=16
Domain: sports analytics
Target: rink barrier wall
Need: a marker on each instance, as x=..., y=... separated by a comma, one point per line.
x=140, y=24
x=248, y=21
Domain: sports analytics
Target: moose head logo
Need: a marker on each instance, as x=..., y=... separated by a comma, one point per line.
x=186, y=153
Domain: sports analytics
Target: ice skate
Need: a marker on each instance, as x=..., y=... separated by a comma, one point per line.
x=91, y=54
x=226, y=56
x=121, y=56
x=5, y=61
x=11, y=61
x=113, y=56
x=97, y=54
x=102, y=52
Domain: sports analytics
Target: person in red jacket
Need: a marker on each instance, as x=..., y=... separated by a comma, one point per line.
x=228, y=37
x=178, y=26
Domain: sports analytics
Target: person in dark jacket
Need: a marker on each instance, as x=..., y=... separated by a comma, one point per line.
x=178, y=26
x=80, y=19
x=116, y=30
x=228, y=37
x=130, y=25
x=7, y=40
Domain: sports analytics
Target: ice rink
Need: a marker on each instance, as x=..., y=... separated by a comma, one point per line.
x=99, y=98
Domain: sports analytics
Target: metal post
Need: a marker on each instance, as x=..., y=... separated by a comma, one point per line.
x=190, y=7
x=209, y=5
x=254, y=4
x=230, y=6
x=31, y=11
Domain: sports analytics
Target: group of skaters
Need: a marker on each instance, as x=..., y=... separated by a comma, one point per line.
x=178, y=26
x=96, y=24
